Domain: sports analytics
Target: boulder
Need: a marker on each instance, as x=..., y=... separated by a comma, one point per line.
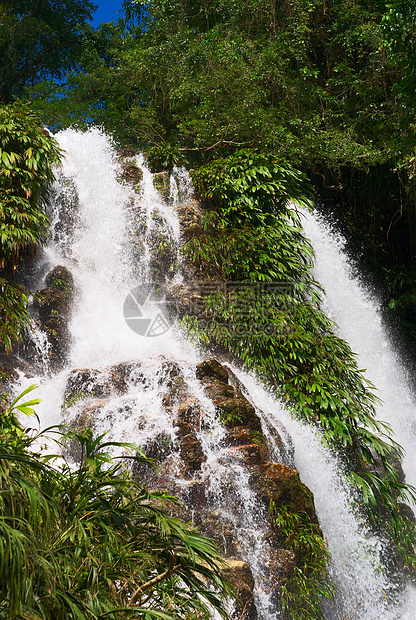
x=93, y=383
x=182, y=469
x=191, y=451
x=53, y=309
x=283, y=486
x=240, y=575
x=234, y=408
x=215, y=525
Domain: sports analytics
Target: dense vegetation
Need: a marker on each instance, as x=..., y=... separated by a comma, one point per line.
x=27, y=155
x=281, y=331
x=327, y=84
x=39, y=40
x=90, y=542
x=249, y=93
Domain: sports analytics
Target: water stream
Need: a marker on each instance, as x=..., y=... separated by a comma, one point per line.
x=107, y=246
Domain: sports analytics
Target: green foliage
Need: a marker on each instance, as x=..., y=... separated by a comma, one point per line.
x=164, y=157
x=89, y=541
x=14, y=315
x=308, y=584
x=27, y=155
x=39, y=39
x=280, y=331
x=249, y=187
x=11, y=432
x=306, y=80
x=328, y=86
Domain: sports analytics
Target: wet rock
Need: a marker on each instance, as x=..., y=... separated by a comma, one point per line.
x=234, y=408
x=215, y=525
x=164, y=255
x=281, y=565
x=130, y=173
x=211, y=368
x=176, y=388
x=161, y=182
x=83, y=383
x=283, y=486
x=195, y=494
x=10, y=366
x=124, y=374
x=189, y=412
x=240, y=575
x=67, y=205
x=159, y=447
x=159, y=450
x=83, y=420
x=191, y=452
x=89, y=382
x=239, y=436
x=182, y=468
x=250, y=454
x=169, y=373
x=53, y=308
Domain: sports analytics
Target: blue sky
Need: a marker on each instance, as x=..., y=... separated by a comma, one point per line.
x=107, y=11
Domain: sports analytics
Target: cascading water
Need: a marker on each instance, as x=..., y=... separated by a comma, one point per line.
x=107, y=244
x=357, y=314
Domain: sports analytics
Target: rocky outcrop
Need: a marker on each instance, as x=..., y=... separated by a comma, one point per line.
x=129, y=173
x=240, y=575
x=234, y=408
x=161, y=182
x=177, y=439
x=53, y=311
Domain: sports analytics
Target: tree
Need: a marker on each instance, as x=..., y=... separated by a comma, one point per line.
x=39, y=39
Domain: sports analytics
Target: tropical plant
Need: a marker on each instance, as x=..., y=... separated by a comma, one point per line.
x=270, y=319
x=327, y=86
x=14, y=315
x=305, y=588
x=164, y=157
x=249, y=188
x=88, y=541
x=27, y=156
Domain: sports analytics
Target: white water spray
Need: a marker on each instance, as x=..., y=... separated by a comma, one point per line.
x=106, y=266
x=357, y=313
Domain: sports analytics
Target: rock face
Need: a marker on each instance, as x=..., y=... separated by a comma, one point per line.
x=53, y=309
x=206, y=439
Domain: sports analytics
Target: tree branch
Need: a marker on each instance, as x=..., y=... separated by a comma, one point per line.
x=153, y=582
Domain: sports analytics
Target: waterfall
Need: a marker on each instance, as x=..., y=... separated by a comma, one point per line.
x=109, y=253
x=356, y=311
x=106, y=241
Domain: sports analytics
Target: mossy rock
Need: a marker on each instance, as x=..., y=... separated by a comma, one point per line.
x=161, y=183
x=233, y=407
x=131, y=174
x=53, y=306
x=283, y=486
x=240, y=575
